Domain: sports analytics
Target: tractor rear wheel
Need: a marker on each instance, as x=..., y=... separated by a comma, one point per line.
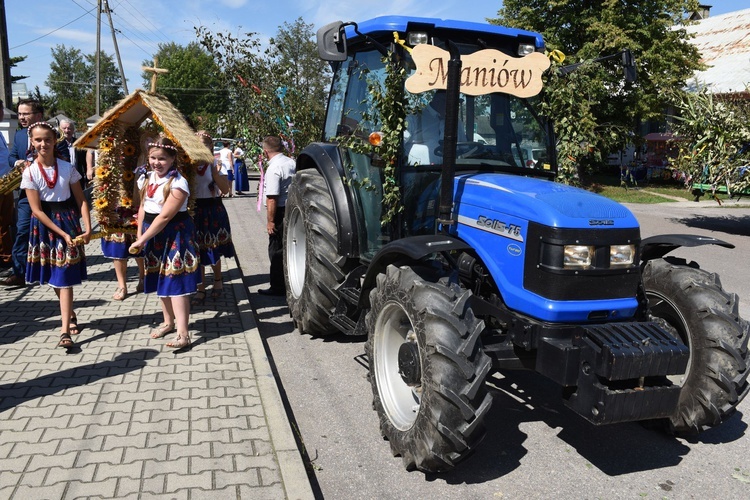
x=312, y=269
x=427, y=368
x=691, y=304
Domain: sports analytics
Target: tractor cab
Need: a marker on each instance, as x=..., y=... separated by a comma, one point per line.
x=495, y=132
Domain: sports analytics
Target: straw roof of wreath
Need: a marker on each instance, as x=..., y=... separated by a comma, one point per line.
x=137, y=107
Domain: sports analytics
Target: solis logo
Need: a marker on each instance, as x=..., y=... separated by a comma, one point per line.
x=508, y=230
x=601, y=222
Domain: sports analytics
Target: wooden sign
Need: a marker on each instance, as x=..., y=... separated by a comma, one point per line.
x=482, y=72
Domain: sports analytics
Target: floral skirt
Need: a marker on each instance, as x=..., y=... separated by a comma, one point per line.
x=116, y=246
x=49, y=259
x=212, y=231
x=172, y=259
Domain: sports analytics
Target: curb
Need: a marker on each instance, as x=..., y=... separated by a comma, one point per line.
x=293, y=473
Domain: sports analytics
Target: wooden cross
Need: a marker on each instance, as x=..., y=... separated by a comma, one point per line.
x=156, y=72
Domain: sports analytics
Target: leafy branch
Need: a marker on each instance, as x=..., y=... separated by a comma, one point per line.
x=387, y=115
x=714, y=139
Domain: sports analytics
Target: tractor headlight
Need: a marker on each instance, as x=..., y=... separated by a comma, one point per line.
x=416, y=37
x=525, y=49
x=621, y=256
x=577, y=256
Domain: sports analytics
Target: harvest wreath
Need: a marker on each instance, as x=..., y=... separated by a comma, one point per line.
x=120, y=137
x=114, y=191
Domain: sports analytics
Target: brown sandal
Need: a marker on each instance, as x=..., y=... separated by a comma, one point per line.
x=179, y=342
x=217, y=289
x=161, y=330
x=65, y=341
x=73, y=325
x=199, y=298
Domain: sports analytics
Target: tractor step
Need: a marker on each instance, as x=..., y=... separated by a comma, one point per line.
x=343, y=323
x=350, y=295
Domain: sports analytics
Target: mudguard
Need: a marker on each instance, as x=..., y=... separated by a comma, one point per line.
x=658, y=246
x=326, y=158
x=411, y=249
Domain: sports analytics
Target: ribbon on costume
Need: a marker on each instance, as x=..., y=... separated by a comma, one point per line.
x=260, y=183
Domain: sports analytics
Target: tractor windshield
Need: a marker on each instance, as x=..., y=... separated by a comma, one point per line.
x=495, y=132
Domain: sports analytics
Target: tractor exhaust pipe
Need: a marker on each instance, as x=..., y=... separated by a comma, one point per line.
x=449, y=139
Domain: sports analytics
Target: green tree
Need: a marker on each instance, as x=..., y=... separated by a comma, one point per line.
x=243, y=75
x=110, y=82
x=302, y=78
x=13, y=62
x=192, y=83
x=47, y=100
x=72, y=83
x=587, y=29
x=278, y=91
x=69, y=78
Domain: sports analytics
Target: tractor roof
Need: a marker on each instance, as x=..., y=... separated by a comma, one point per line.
x=385, y=25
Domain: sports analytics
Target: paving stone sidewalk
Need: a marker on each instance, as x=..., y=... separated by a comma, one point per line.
x=123, y=416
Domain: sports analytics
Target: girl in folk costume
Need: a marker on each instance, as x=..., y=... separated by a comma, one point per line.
x=212, y=229
x=116, y=246
x=53, y=189
x=165, y=233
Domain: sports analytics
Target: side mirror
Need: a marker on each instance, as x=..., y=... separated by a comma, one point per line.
x=332, y=42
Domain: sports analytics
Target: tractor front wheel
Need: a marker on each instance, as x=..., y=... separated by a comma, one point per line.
x=691, y=304
x=427, y=368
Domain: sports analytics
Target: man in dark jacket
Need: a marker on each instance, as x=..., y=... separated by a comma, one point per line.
x=66, y=151
x=29, y=111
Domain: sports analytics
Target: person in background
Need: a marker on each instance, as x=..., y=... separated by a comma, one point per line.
x=29, y=111
x=241, y=183
x=277, y=179
x=7, y=210
x=225, y=157
x=165, y=234
x=66, y=151
x=91, y=157
x=55, y=256
x=212, y=230
x=116, y=246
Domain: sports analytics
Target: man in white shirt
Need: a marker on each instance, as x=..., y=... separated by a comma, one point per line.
x=278, y=177
x=225, y=157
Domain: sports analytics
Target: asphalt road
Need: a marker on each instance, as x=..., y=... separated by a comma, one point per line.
x=535, y=447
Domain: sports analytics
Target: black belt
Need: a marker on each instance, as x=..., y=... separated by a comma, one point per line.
x=58, y=206
x=207, y=202
x=179, y=216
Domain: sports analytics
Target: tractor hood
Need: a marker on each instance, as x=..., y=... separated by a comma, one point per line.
x=545, y=202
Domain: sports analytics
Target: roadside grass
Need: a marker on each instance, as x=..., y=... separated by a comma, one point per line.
x=610, y=186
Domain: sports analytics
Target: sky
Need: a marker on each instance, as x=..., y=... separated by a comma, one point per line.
x=36, y=26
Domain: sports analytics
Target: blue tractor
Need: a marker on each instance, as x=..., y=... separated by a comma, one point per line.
x=488, y=264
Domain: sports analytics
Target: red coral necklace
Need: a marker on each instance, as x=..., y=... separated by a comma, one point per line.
x=50, y=182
